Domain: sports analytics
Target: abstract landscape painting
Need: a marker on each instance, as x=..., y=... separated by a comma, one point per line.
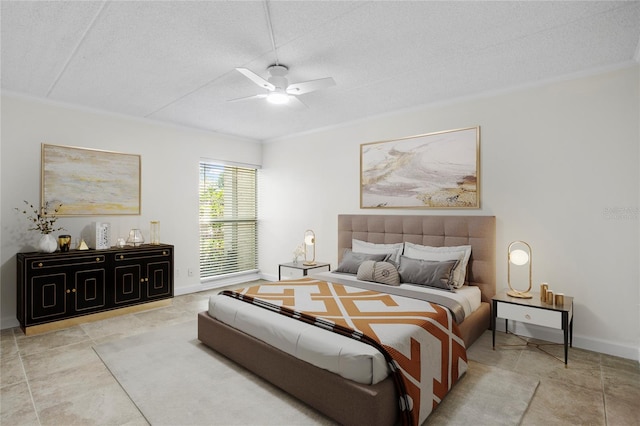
x=436, y=170
x=90, y=182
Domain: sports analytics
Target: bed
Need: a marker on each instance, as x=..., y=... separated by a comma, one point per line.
x=345, y=400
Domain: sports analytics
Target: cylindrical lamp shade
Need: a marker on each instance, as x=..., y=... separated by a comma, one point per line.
x=309, y=248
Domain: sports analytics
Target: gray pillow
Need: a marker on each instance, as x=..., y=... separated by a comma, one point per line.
x=351, y=260
x=427, y=272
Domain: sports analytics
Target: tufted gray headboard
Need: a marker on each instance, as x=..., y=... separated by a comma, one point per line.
x=477, y=231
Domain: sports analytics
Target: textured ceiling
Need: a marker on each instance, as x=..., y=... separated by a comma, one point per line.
x=175, y=61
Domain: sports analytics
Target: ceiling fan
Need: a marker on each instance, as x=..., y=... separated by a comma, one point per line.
x=279, y=89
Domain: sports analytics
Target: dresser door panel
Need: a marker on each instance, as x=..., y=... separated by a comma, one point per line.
x=159, y=279
x=48, y=296
x=127, y=284
x=90, y=290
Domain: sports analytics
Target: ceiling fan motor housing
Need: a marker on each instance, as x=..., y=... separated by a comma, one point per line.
x=278, y=79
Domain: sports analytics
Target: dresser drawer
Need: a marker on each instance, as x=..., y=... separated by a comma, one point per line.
x=531, y=315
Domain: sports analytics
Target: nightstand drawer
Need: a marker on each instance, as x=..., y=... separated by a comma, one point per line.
x=531, y=315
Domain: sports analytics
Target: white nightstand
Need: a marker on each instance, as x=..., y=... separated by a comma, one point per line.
x=533, y=311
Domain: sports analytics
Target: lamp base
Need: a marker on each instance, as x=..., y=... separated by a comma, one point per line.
x=309, y=263
x=519, y=294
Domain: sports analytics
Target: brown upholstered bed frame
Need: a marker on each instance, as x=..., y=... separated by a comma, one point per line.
x=343, y=400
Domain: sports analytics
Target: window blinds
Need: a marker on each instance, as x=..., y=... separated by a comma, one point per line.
x=228, y=219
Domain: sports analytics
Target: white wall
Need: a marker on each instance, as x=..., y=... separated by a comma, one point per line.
x=573, y=145
x=170, y=157
x=555, y=161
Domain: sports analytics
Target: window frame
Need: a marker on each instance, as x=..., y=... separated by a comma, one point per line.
x=235, y=250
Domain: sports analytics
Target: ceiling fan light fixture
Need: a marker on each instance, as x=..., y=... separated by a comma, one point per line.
x=279, y=91
x=277, y=98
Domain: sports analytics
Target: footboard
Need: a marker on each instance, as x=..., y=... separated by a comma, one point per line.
x=343, y=400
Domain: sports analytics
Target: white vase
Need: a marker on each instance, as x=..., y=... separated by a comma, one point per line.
x=47, y=243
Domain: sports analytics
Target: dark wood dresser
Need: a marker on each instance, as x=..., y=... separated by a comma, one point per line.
x=57, y=290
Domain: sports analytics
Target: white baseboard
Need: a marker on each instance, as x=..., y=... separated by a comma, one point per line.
x=270, y=277
x=579, y=341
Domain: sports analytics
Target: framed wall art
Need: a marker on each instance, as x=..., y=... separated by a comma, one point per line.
x=435, y=170
x=90, y=182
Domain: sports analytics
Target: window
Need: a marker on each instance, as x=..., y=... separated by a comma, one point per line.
x=228, y=219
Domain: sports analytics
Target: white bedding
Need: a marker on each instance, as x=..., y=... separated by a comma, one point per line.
x=349, y=358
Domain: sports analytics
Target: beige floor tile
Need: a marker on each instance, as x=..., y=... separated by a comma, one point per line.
x=106, y=405
x=52, y=339
x=8, y=344
x=63, y=385
x=65, y=359
x=192, y=303
x=557, y=403
x=620, y=385
x=538, y=364
x=482, y=351
x=622, y=412
x=621, y=363
x=170, y=315
x=17, y=407
x=11, y=370
x=116, y=326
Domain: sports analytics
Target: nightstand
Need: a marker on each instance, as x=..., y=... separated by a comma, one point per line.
x=534, y=311
x=301, y=266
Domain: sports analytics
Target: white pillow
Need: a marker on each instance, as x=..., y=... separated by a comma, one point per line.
x=461, y=253
x=395, y=250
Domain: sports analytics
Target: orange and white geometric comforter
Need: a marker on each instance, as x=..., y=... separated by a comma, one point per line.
x=419, y=339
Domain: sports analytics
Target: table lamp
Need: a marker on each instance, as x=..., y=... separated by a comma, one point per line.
x=309, y=248
x=519, y=254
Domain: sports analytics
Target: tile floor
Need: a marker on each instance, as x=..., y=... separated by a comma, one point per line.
x=57, y=379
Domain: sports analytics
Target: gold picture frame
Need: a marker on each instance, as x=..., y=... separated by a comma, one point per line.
x=90, y=182
x=438, y=170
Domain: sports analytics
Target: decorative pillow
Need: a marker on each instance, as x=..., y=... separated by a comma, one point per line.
x=372, y=248
x=379, y=272
x=351, y=260
x=427, y=272
x=461, y=253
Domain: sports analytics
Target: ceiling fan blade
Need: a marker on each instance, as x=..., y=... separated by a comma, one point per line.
x=256, y=78
x=310, y=86
x=296, y=103
x=246, y=98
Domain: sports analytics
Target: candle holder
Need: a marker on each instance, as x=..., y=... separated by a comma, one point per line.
x=155, y=232
x=135, y=237
x=65, y=242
